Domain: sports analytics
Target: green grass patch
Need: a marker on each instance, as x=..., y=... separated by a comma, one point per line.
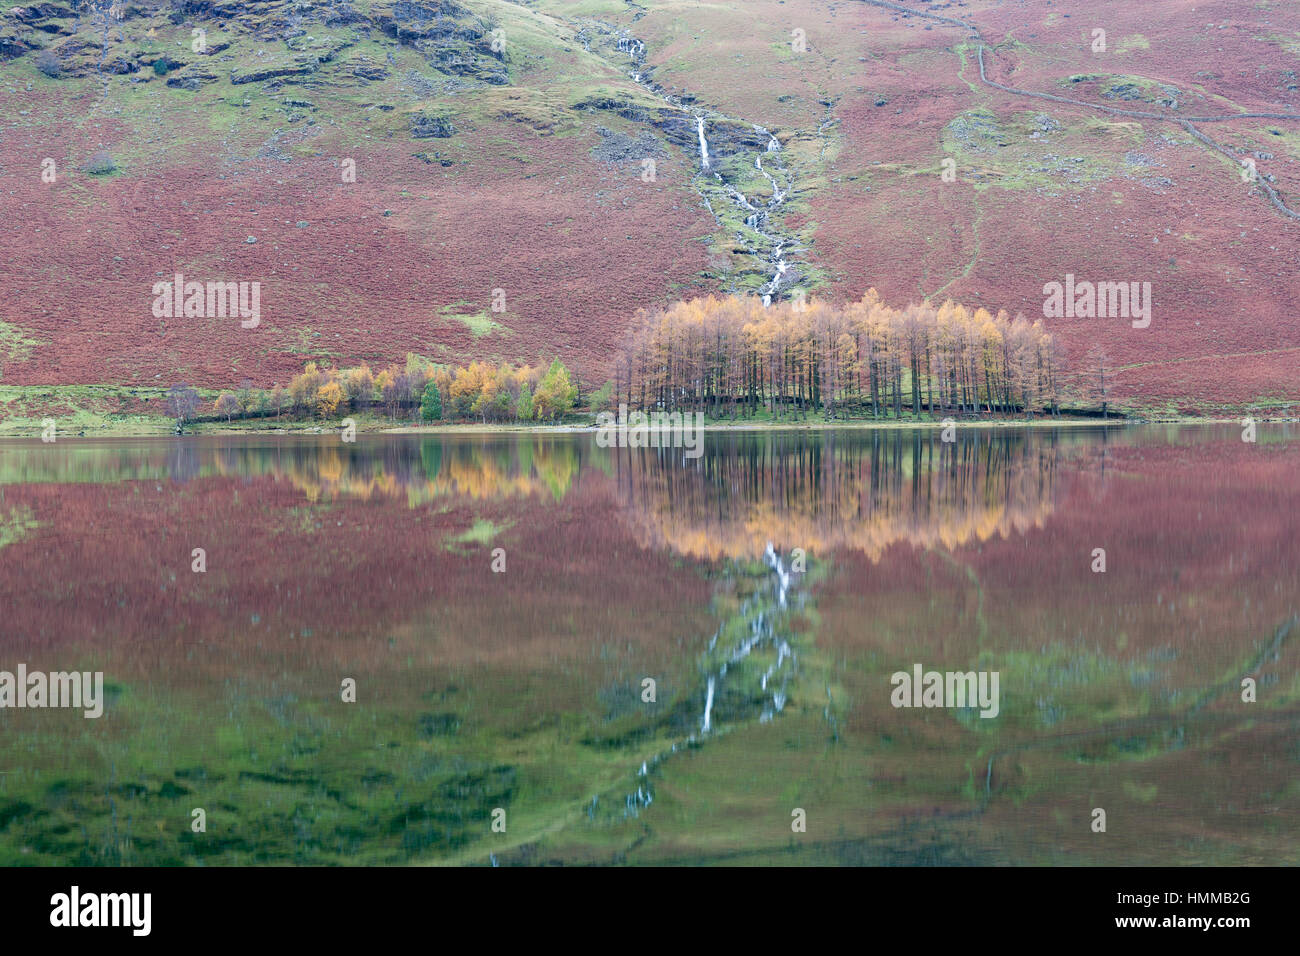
x=1031, y=149
x=479, y=323
x=482, y=532
x=16, y=345
x=16, y=525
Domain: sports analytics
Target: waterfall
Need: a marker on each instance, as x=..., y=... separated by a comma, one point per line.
x=708, y=708
x=774, y=562
x=759, y=219
x=763, y=632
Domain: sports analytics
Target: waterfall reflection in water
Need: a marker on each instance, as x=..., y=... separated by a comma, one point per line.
x=520, y=691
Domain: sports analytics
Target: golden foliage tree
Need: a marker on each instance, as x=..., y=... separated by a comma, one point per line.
x=734, y=356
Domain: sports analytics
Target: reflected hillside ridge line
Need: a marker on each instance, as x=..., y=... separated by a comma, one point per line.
x=1173, y=724
x=1271, y=653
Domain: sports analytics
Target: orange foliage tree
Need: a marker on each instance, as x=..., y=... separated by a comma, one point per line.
x=734, y=355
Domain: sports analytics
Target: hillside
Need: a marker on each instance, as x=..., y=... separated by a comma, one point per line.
x=391, y=171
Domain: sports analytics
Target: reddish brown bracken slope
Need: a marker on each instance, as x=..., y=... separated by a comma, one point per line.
x=524, y=203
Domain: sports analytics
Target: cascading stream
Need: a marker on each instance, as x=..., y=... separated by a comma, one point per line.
x=704, y=143
x=760, y=219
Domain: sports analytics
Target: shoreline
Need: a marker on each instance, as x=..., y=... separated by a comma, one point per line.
x=166, y=431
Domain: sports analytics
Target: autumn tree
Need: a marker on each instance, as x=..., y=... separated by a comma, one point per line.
x=1097, y=376
x=717, y=354
x=182, y=403
x=303, y=388
x=328, y=399
x=227, y=404
x=359, y=385
x=555, y=394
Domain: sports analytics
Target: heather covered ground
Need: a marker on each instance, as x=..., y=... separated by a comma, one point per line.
x=520, y=170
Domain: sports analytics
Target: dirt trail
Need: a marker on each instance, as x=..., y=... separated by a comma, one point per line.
x=1183, y=121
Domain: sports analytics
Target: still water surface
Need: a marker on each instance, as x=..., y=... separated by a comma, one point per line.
x=525, y=690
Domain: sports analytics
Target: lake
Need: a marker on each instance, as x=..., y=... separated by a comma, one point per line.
x=527, y=649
